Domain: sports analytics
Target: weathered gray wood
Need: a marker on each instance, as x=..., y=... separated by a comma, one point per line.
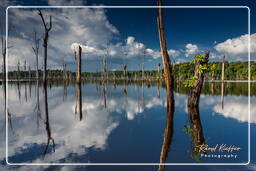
x=45, y=42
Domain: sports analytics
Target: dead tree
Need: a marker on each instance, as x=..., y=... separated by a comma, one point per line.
x=105, y=66
x=223, y=69
x=167, y=74
x=195, y=90
x=18, y=68
x=47, y=28
x=3, y=40
x=200, y=62
x=158, y=71
x=78, y=84
x=142, y=65
x=125, y=71
x=78, y=60
x=36, y=51
x=222, y=82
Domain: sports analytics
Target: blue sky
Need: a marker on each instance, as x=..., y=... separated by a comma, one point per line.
x=188, y=32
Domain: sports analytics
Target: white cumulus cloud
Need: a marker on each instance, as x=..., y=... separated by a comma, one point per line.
x=238, y=45
x=191, y=49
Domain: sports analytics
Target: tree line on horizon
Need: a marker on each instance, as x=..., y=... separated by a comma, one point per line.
x=182, y=71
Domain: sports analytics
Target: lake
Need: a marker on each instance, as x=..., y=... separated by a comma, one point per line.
x=125, y=123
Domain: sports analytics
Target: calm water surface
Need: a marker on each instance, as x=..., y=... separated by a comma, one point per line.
x=98, y=123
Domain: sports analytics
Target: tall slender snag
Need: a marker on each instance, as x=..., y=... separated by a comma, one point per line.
x=167, y=75
x=222, y=82
x=78, y=60
x=36, y=51
x=45, y=43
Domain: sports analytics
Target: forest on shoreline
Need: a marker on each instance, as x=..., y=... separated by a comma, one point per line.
x=181, y=72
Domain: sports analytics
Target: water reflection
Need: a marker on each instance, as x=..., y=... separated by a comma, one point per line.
x=92, y=139
x=168, y=132
x=46, y=122
x=195, y=130
x=78, y=107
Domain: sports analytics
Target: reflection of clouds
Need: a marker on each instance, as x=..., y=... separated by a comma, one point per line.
x=237, y=108
x=234, y=106
x=75, y=137
x=71, y=135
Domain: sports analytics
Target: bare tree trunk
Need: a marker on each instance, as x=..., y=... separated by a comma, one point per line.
x=165, y=59
x=36, y=51
x=223, y=69
x=168, y=78
x=158, y=71
x=78, y=74
x=222, y=82
x=45, y=44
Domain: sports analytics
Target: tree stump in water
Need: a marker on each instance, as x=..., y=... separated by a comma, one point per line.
x=195, y=91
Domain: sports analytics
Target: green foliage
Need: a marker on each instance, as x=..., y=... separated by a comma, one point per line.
x=190, y=82
x=182, y=72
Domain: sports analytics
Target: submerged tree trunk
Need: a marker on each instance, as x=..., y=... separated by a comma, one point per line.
x=168, y=81
x=195, y=91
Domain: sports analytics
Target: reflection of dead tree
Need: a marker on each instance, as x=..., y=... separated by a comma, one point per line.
x=105, y=95
x=10, y=121
x=79, y=100
x=142, y=96
x=37, y=107
x=47, y=123
x=19, y=94
x=193, y=103
x=169, y=84
x=195, y=129
x=26, y=97
x=3, y=40
x=222, y=94
x=168, y=135
x=65, y=91
x=158, y=89
x=36, y=51
x=45, y=43
x=125, y=71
